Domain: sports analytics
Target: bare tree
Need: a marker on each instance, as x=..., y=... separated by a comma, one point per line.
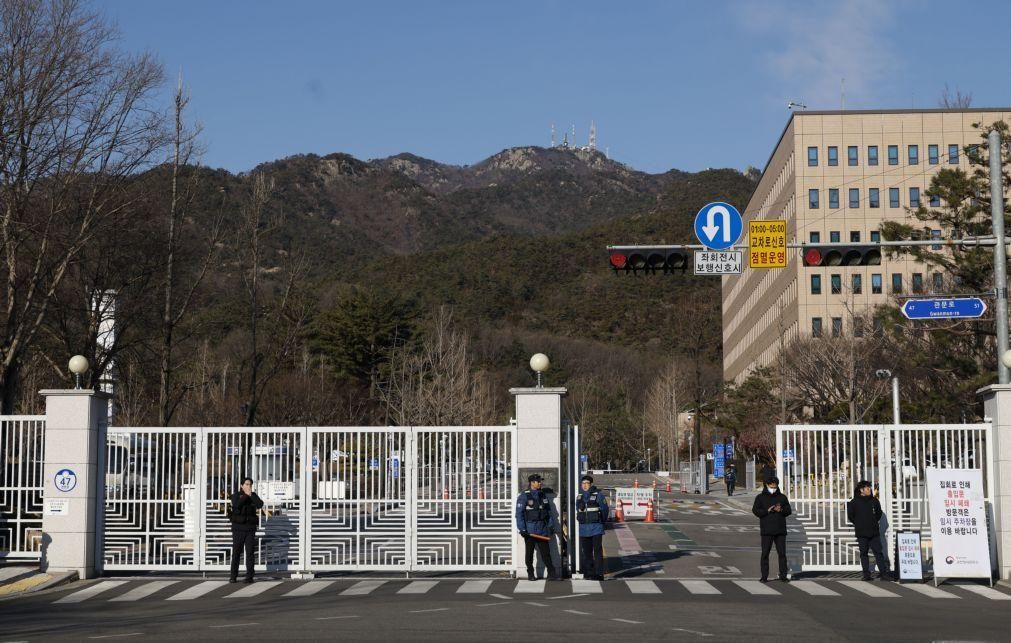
x=76, y=122
x=954, y=99
x=662, y=408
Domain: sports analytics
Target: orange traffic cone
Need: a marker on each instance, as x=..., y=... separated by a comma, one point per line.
x=619, y=513
x=636, y=485
x=649, y=512
x=668, y=486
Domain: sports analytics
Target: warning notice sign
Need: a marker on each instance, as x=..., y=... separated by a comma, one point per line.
x=767, y=244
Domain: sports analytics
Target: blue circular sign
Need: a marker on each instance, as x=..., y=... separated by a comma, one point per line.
x=718, y=225
x=65, y=480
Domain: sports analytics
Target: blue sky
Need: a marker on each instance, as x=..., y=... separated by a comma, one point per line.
x=684, y=85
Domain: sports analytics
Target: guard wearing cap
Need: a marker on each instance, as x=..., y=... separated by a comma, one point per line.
x=536, y=523
x=591, y=512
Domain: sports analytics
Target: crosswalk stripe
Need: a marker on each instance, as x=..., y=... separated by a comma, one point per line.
x=418, y=587
x=988, y=592
x=865, y=587
x=363, y=587
x=93, y=590
x=143, y=591
x=529, y=587
x=813, y=588
x=198, y=590
x=586, y=587
x=930, y=590
x=474, y=587
x=254, y=589
x=756, y=587
x=642, y=587
x=310, y=588
x=699, y=587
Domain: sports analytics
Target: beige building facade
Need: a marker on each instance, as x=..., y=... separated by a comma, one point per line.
x=835, y=176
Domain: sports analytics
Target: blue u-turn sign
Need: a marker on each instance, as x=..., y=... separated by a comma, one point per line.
x=718, y=225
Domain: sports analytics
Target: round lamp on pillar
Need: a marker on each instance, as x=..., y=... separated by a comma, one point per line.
x=539, y=363
x=78, y=366
x=1006, y=358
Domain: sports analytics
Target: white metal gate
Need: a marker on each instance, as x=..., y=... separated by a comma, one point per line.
x=361, y=498
x=819, y=466
x=21, y=459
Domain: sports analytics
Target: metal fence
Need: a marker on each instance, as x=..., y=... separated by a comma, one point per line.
x=22, y=450
x=694, y=476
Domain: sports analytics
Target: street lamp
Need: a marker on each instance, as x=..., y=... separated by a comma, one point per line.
x=539, y=363
x=78, y=366
x=884, y=374
x=1006, y=358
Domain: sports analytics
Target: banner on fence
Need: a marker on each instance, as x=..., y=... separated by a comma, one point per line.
x=958, y=523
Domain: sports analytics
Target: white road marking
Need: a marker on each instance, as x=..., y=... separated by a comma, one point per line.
x=116, y=636
x=529, y=587
x=643, y=587
x=587, y=586
x=988, y=592
x=625, y=620
x=363, y=587
x=502, y=596
x=143, y=591
x=756, y=587
x=310, y=588
x=436, y=609
x=813, y=588
x=697, y=633
x=474, y=587
x=699, y=587
x=198, y=590
x=217, y=627
x=930, y=590
x=89, y=592
x=578, y=612
x=555, y=598
x=332, y=618
x=254, y=589
x=418, y=587
x=490, y=604
x=535, y=604
x=868, y=588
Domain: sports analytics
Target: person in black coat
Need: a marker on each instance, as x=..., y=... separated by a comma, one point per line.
x=244, y=518
x=864, y=512
x=771, y=508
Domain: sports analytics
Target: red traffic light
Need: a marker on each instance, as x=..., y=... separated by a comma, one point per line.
x=618, y=260
x=812, y=257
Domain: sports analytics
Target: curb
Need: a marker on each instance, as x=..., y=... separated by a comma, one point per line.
x=49, y=581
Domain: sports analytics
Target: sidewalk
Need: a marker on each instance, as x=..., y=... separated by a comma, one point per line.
x=16, y=580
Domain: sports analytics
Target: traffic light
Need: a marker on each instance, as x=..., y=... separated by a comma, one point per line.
x=848, y=255
x=649, y=260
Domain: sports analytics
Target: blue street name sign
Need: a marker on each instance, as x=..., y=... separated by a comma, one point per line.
x=964, y=307
x=718, y=225
x=787, y=455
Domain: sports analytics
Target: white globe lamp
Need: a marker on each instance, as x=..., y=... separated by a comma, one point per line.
x=539, y=363
x=78, y=366
x=1006, y=358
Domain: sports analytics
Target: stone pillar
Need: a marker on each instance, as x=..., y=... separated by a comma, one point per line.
x=74, y=487
x=997, y=409
x=539, y=450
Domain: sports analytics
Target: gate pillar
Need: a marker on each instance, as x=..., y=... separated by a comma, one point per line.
x=538, y=450
x=997, y=408
x=73, y=480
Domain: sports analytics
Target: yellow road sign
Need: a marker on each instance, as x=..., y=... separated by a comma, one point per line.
x=767, y=244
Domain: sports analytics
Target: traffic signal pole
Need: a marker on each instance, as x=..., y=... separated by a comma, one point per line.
x=999, y=255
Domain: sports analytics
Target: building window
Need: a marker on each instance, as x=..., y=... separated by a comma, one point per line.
x=872, y=155
x=815, y=284
x=833, y=236
x=837, y=327
x=816, y=327
x=854, y=197
x=952, y=155
x=812, y=199
x=879, y=327
x=932, y=155
x=875, y=236
x=815, y=237
x=852, y=155
x=833, y=198
x=914, y=197
x=876, y=284
x=935, y=234
x=812, y=157
x=893, y=154
x=858, y=284
x=833, y=155
x=854, y=236
x=917, y=282
x=973, y=152
x=874, y=197
x=938, y=280
x=935, y=201
x=858, y=327
x=836, y=284
x=914, y=154
x=893, y=197
x=896, y=283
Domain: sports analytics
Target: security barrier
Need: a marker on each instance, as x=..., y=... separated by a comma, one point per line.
x=21, y=457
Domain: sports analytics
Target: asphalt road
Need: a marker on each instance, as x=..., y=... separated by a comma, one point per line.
x=689, y=577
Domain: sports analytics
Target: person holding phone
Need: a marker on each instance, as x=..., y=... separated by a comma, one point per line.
x=771, y=508
x=244, y=517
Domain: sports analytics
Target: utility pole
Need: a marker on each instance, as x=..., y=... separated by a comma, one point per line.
x=999, y=254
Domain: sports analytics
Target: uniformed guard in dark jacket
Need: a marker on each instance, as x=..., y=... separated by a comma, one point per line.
x=244, y=518
x=591, y=513
x=730, y=478
x=536, y=523
x=772, y=507
x=864, y=512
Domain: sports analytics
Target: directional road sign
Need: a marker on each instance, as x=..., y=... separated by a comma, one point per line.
x=964, y=307
x=718, y=225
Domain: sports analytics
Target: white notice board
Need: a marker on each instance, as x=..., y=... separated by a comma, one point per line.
x=958, y=523
x=910, y=555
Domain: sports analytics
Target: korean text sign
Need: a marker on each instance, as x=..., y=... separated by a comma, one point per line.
x=958, y=523
x=767, y=244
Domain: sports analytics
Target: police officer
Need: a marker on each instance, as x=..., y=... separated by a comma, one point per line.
x=536, y=523
x=245, y=505
x=591, y=512
x=730, y=478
